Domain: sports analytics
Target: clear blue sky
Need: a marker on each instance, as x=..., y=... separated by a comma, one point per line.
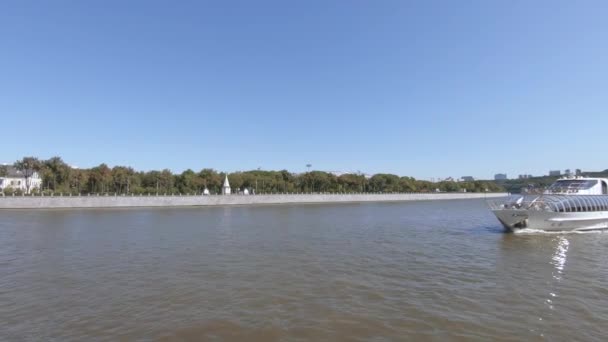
x=419, y=88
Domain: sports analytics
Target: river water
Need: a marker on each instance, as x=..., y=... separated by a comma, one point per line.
x=442, y=270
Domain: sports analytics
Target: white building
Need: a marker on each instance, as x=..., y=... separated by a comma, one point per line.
x=226, y=187
x=15, y=179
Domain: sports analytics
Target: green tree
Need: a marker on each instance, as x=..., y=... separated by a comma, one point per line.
x=27, y=166
x=100, y=179
x=56, y=173
x=122, y=178
x=407, y=184
x=383, y=182
x=236, y=181
x=167, y=181
x=211, y=179
x=150, y=181
x=189, y=182
x=448, y=186
x=319, y=181
x=78, y=179
x=351, y=182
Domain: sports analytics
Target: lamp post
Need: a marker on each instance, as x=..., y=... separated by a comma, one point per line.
x=309, y=185
x=256, y=181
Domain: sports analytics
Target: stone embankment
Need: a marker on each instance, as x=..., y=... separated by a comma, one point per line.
x=126, y=201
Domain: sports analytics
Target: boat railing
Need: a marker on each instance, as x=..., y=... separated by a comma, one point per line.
x=553, y=203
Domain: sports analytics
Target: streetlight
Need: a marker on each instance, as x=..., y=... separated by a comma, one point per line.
x=309, y=185
x=256, y=181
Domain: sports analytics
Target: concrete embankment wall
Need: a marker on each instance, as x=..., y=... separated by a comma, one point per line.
x=28, y=202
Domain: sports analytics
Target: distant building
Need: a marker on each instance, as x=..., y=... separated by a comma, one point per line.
x=555, y=173
x=525, y=176
x=15, y=179
x=500, y=176
x=342, y=173
x=579, y=172
x=567, y=172
x=226, y=186
x=467, y=178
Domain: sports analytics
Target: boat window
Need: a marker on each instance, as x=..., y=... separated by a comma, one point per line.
x=604, y=188
x=580, y=203
x=572, y=185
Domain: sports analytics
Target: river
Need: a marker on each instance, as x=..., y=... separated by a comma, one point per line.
x=438, y=270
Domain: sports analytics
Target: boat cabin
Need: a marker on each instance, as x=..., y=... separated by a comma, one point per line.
x=579, y=186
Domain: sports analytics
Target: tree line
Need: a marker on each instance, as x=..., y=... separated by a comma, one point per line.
x=59, y=177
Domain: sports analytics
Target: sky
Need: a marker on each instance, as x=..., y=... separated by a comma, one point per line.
x=428, y=89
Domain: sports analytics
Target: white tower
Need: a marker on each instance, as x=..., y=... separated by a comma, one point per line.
x=226, y=187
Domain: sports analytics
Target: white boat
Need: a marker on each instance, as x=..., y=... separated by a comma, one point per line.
x=569, y=204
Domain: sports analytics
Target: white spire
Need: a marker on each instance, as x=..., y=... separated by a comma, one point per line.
x=226, y=187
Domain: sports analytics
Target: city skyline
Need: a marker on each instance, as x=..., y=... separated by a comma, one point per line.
x=427, y=89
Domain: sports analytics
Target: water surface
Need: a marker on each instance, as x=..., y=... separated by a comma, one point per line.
x=374, y=271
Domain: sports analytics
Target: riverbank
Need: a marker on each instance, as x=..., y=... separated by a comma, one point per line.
x=126, y=201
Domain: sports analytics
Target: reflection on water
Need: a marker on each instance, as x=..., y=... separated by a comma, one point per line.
x=385, y=271
x=558, y=260
x=559, y=257
x=570, y=289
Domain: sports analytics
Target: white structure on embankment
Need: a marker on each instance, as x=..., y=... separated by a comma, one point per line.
x=226, y=187
x=17, y=180
x=47, y=202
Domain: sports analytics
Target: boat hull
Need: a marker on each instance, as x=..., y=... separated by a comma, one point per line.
x=515, y=219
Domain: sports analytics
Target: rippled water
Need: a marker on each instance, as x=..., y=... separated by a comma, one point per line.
x=376, y=271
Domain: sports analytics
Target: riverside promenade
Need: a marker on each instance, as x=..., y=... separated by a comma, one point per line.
x=128, y=201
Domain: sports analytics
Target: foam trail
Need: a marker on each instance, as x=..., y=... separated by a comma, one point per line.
x=530, y=231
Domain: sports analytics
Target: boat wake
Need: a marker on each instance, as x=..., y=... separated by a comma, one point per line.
x=530, y=231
